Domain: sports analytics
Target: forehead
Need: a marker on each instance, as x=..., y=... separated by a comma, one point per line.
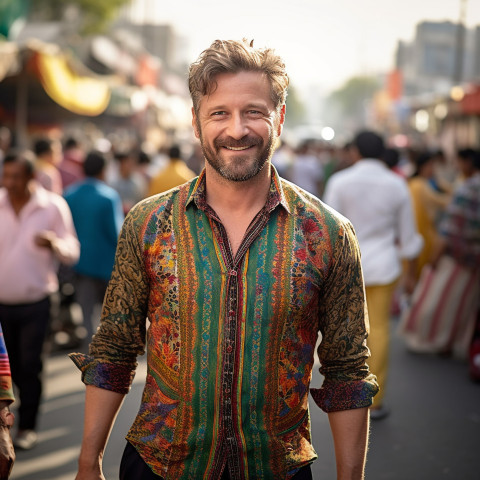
x=239, y=88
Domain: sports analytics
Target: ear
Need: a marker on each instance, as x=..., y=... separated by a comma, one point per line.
x=195, y=123
x=281, y=119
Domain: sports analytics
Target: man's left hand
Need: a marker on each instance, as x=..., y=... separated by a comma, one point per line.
x=7, y=452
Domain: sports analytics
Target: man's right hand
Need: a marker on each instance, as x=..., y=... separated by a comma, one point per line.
x=7, y=452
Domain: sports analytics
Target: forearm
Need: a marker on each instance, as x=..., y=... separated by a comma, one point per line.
x=410, y=276
x=350, y=437
x=438, y=250
x=101, y=408
x=67, y=249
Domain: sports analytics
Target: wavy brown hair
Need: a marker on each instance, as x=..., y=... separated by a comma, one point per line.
x=231, y=56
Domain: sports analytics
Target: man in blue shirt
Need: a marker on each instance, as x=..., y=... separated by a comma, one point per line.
x=98, y=217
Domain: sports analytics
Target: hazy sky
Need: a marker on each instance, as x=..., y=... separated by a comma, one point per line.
x=323, y=42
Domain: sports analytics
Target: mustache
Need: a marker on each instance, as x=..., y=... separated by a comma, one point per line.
x=247, y=141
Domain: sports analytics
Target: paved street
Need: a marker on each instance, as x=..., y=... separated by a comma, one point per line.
x=433, y=432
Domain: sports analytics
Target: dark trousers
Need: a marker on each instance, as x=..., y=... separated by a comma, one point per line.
x=132, y=467
x=24, y=329
x=89, y=292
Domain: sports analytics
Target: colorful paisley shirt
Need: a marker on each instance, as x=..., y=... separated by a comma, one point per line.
x=230, y=340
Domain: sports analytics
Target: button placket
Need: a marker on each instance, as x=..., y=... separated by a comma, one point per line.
x=232, y=449
x=228, y=374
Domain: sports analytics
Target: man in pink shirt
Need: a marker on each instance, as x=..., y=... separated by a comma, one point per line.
x=37, y=234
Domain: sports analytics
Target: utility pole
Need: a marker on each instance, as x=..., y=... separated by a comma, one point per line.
x=460, y=45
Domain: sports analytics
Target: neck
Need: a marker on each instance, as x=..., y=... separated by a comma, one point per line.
x=237, y=197
x=19, y=200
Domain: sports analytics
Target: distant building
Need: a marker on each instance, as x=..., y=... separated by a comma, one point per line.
x=441, y=55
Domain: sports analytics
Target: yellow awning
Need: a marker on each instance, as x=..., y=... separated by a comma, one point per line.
x=79, y=94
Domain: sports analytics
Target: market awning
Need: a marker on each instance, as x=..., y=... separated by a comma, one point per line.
x=80, y=94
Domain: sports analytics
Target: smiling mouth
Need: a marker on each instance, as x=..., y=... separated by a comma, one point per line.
x=237, y=149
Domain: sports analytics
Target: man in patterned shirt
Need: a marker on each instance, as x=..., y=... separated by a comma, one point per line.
x=237, y=271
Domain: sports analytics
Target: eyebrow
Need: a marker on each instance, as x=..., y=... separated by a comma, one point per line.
x=258, y=106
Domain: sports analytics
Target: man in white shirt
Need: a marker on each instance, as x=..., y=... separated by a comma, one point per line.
x=377, y=202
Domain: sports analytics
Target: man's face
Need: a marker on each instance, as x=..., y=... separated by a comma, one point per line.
x=237, y=125
x=15, y=179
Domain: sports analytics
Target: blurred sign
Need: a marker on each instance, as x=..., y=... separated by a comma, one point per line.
x=470, y=103
x=148, y=71
x=395, y=84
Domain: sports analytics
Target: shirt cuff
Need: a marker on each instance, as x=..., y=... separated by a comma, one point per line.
x=413, y=248
x=6, y=391
x=117, y=378
x=335, y=396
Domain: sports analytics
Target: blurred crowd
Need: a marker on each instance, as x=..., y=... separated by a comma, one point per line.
x=436, y=296
x=93, y=185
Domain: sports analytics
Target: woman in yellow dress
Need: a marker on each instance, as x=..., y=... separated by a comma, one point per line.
x=429, y=201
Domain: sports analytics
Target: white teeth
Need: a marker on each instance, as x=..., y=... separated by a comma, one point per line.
x=236, y=149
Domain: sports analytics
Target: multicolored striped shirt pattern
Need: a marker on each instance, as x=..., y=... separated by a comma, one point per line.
x=231, y=340
x=460, y=225
x=6, y=390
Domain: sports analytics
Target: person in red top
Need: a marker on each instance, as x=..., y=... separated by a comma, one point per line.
x=48, y=153
x=71, y=166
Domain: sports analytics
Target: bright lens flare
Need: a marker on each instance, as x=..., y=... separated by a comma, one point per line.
x=328, y=133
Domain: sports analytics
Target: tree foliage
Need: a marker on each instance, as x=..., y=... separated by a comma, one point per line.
x=353, y=95
x=295, y=108
x=94, y=15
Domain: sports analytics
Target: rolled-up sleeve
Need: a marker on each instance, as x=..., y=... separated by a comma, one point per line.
x=120, y=338
x=344, y=326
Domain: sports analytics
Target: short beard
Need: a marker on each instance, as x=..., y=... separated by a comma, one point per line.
x=241, y=171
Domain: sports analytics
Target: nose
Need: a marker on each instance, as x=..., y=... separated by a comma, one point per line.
x=237, y=126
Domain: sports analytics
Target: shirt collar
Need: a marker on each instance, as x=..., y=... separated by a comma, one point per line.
x=372, y=162
x=275, y=197
x=38, y=196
